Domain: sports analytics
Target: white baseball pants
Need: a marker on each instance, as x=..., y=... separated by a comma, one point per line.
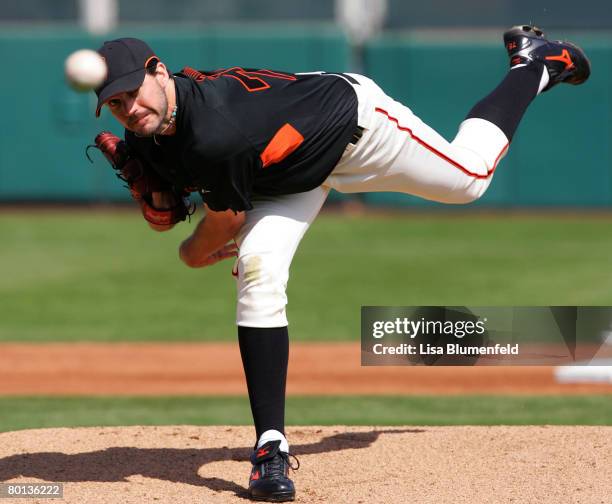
x=398, y=153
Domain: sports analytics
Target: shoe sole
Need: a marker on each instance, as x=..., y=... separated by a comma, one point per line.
x=274, y=498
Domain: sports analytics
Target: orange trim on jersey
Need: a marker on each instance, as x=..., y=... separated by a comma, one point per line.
x=440, y=154
x=261, y=86
x=271, y=73
x=262, y=71
x=253, y=77
x=194, y=74
x=284, y=142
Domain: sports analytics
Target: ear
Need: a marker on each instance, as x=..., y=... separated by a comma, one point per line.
x=161, y=74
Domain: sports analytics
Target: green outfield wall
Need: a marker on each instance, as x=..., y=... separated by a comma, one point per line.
x=560, y=156
x=402, y=14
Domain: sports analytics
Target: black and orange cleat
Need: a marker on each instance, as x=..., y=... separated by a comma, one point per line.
x=564, y=61
x=269, y=480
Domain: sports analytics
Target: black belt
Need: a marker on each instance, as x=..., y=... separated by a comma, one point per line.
x=357, y=134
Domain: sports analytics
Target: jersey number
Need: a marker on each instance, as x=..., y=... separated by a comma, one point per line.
x=252, y=80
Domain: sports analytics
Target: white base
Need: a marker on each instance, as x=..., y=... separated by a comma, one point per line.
x=597, y=371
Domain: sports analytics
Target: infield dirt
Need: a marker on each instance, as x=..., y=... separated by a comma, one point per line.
x=189, y=464
x=215, y=369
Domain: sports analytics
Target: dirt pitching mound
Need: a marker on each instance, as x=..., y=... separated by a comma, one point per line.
x=189, y=464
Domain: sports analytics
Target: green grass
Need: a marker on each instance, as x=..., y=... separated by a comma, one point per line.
x=38, y=412
x=103, y=276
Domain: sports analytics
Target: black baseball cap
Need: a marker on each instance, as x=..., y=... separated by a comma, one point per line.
x=127, y=60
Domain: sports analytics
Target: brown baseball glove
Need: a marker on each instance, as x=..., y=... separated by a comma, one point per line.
x=143, y=181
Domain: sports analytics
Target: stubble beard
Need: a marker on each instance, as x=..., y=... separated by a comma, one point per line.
x=159, y=125
x=163, y=112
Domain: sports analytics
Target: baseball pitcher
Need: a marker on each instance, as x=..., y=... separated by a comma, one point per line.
x=264, y=148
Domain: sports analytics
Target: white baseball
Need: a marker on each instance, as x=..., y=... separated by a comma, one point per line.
x=85, y=70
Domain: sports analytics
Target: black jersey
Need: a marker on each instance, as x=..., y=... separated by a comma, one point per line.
x=242, y=132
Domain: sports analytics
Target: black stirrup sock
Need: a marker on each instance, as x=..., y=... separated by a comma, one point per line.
x=265, y=356
x=507, y=104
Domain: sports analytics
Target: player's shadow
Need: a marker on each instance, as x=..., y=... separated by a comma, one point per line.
x=169, y=464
